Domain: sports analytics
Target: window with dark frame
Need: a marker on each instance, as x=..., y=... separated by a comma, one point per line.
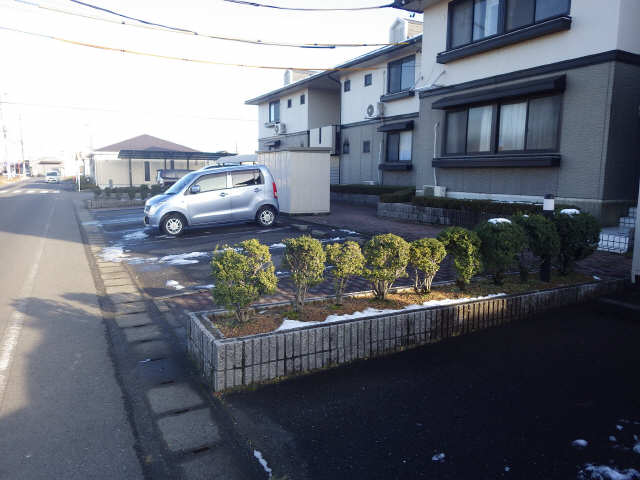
x=399, y=145
x=345, y=147
x=471, y=21
x=368, y=79
x=303, y=99
x=526, y=125
x=289, y=103
x=366, y=146
x=147, y=172
x=401, y=74
x=173, y=164
x=274, y=111
x=347, y=85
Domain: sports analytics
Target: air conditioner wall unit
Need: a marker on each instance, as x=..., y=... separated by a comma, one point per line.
x=279, y=128
x=374, y=110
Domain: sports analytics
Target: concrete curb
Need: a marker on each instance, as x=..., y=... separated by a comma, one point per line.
x=234, y=362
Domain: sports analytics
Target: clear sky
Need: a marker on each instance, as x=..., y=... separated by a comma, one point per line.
x=201, y=106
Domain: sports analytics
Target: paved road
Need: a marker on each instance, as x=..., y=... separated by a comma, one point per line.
x=61, y=409
x=503, y=403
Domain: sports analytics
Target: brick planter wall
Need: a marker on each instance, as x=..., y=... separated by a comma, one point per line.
x=354, y=198
x=440, y=216
x=232, y=362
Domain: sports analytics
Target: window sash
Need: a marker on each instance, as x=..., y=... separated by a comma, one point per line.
x=274, y=111
x=347, y=85
x=303, y=99
x=401, y=74
x=368, y=79
x=468, y=21
x=366, y=146
x=528, y=125
x=393, y=147
x=147, y=172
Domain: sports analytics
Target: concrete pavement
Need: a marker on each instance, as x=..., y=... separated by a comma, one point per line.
x=62, y=413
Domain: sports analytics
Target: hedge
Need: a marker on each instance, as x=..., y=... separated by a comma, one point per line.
x=365, y=189
x=405, y=195
x=481, y=206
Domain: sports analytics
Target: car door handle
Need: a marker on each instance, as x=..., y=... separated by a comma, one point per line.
x=223, y=194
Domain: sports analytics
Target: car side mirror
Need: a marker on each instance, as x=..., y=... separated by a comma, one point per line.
x=195, y=189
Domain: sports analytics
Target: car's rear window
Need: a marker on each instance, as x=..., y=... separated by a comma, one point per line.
x=52, y=174
x=246, y=178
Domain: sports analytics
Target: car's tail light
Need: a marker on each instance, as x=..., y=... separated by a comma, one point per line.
x=275, y=190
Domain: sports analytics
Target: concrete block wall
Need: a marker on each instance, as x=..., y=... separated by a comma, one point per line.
x=235, y=362
x=354, y=198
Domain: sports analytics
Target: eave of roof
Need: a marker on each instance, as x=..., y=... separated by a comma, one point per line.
x=351, y=63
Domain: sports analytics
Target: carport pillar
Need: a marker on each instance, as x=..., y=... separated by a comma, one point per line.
x=130, y=174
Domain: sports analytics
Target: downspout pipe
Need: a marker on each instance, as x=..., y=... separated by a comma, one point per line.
x=339, y=124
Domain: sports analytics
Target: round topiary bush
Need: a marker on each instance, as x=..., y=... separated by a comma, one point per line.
x=241, y=276
x=348, y=261
x=96, y=192
x=425, y=256
x=144, y=191
x=107, y=192
x=305, y=258
x=131, y=192
x=464, y=246
x=542, y=236
x=156, y=189
x=579, y=236
x=501, y=241
x=386, y=258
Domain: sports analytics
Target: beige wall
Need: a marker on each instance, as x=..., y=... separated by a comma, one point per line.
x=114, y=171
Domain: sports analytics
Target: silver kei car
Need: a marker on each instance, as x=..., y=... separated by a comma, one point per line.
x=222, y=195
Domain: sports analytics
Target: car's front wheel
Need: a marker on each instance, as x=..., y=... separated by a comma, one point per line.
x=266, y=216
x=173, y=224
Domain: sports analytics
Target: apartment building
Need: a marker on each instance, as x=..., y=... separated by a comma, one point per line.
x=523, y=98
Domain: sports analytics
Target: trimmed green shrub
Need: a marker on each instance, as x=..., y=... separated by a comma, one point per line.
x=579, y=236
x=464, y=246
x=365, y=189
x=96, y=192
x=305, y=258
x=241, y=276
x=107, y=192
x=481, y=207
x=117, y=195
x=144, y=191
x=386, y=258
x=425, y=256
x=401, y=196
x=156, y=189
x=500, y=245
x=348, y=261
x=542, y=237
x=131, y=191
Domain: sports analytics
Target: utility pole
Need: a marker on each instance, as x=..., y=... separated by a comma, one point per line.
x=24, y=171
x=4, y=135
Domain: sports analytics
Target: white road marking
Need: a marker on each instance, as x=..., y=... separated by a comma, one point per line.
x=31, y=191
x=16, y=321
x=18, y=191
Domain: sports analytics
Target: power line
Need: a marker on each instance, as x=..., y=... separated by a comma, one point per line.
x=183, y=59
x=302, y=9
x=113, y=110
x=149, y=25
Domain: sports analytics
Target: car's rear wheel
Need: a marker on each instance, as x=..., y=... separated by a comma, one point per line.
x=266, y=216
x=173, y=224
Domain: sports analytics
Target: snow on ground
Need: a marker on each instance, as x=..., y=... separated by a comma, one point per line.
x=636, y=448
x=579, y=443
x=204, y=287
x=604, y=472
x=612, y=438
x=570, y=211
x=263, y=462
x=174, y=284
x=335, y=239
x=137, y=235
x=289, y=324
x=277, y=245
x=618, y=427
x=348, y=232
x=183, y=258
x=438, y=457
x=496, y=221
x=113, y=254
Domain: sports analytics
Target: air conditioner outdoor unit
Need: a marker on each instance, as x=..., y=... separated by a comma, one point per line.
x=280, y=128
x=375, y=111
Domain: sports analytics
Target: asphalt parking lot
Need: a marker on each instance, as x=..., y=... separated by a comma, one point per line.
x=166, y=265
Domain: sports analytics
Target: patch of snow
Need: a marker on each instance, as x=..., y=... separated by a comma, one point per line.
x=636, y=447
x=496, y=221
x=348, y=232
x=139, y=260
x=174, y=284
x=506, y=469
x=289, y=324
x=595, y=277
x=335, y=239
x=113, y=254
x=183, y=258
x=612, y=438
x=579, y=443
x=618, y=427
x=604, y=472
x=438, y=457
x=277, y=245
x=204, y=287
x=137, y=235
x=263, y=462
x=570, y=211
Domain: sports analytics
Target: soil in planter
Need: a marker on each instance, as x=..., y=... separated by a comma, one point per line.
x=269, y=319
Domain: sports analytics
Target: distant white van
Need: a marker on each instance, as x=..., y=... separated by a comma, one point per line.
x=52, y=177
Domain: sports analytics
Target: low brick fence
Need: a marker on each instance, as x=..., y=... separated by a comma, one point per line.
x=355, y=198
x=232, y=362
x=114, y=203
x=440, y=216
